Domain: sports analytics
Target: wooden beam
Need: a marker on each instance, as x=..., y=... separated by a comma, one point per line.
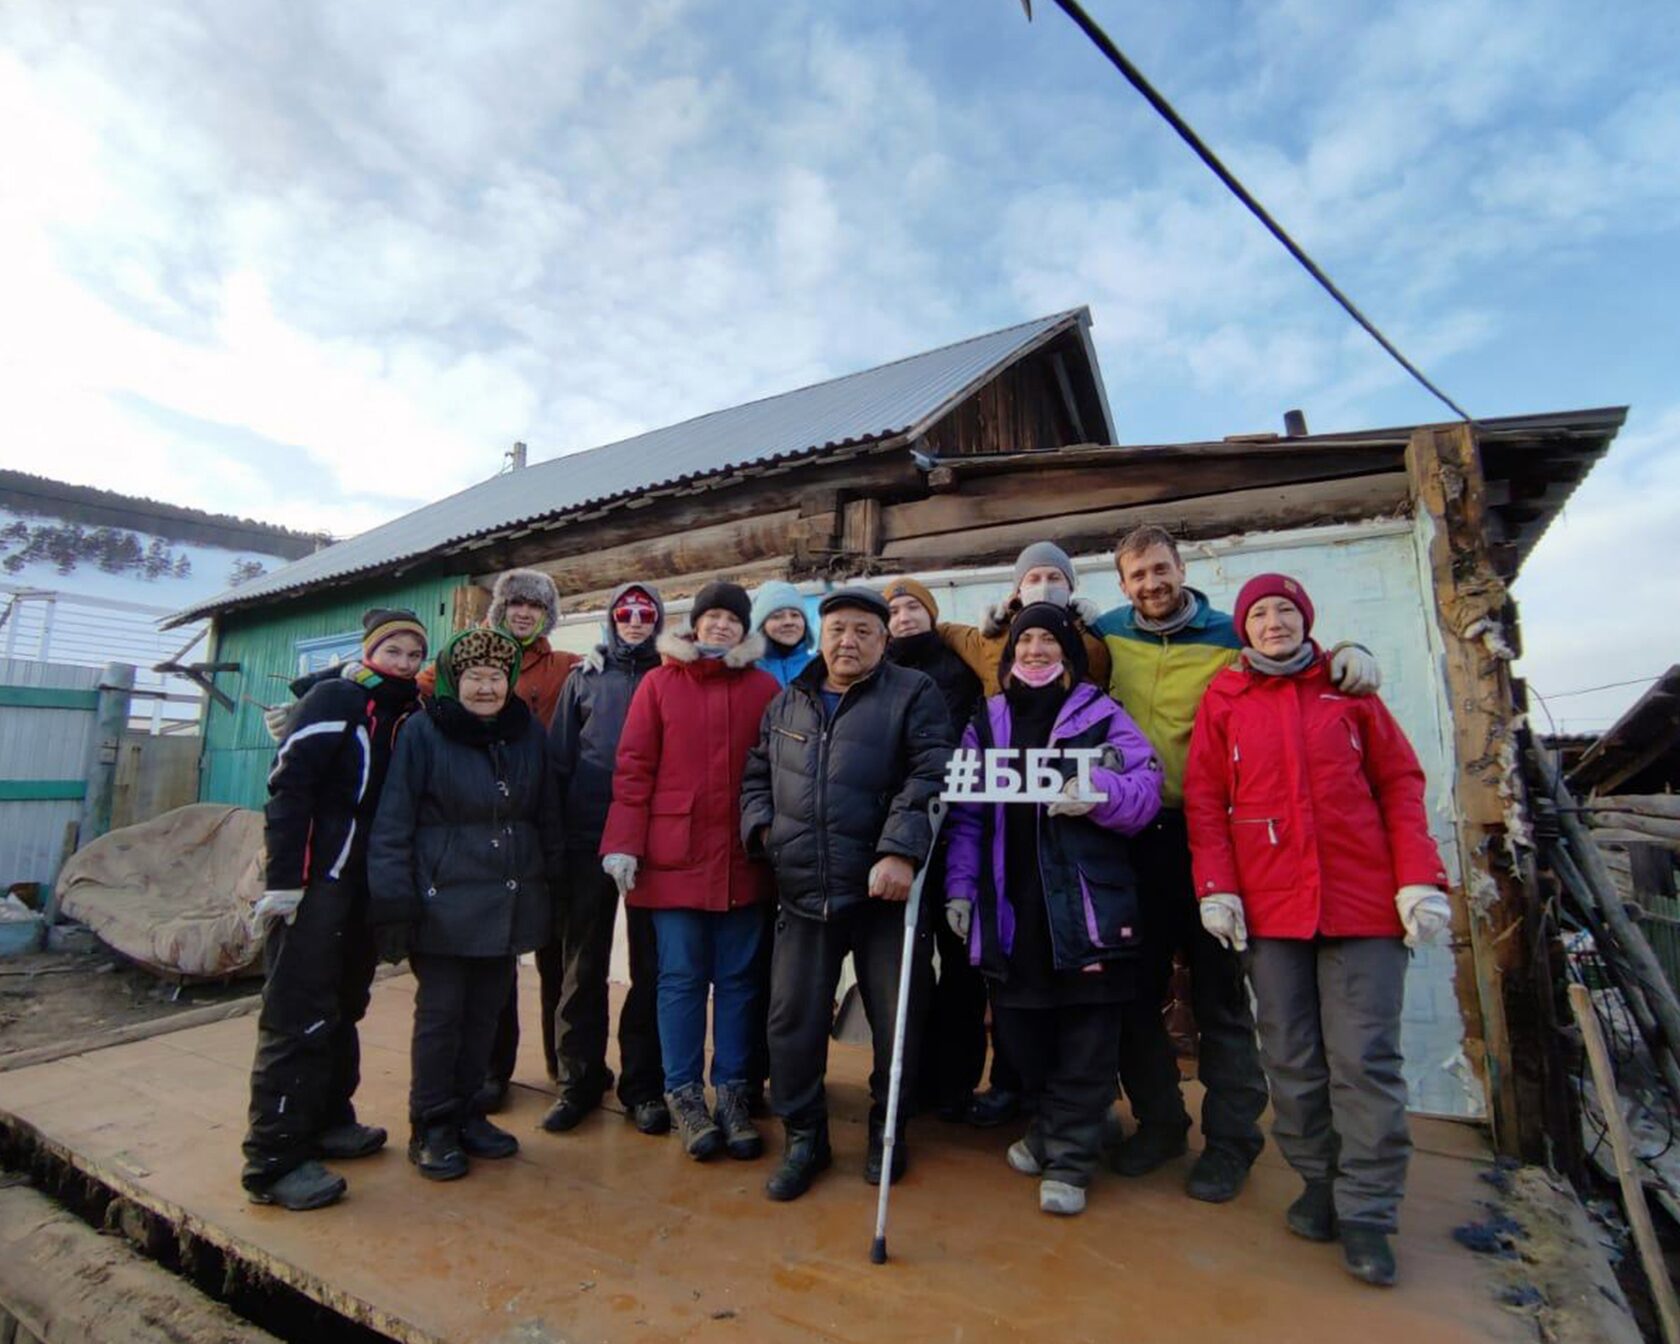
x=1052, y=489
x=1268, y=509
x=718, y=546
x=1501, y=1001
x=674, y=587
x=860, y=527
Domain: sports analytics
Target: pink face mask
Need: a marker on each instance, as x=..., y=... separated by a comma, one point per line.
x=1036, y=677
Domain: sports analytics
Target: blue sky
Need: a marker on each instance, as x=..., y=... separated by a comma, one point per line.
x=317, y=263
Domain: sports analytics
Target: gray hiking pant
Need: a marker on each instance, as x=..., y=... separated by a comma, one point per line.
x=1330, y=1038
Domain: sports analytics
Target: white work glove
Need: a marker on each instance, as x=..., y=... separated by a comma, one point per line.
x=622, y=869
x=1222, y=916
x=275, y=719
x=276, y=905
x=1354, y=670
x=959, y=913
x=1070, y=804
x=1425, y=911
x=1086, y=610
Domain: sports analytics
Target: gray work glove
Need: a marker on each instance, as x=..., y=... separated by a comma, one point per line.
x=277, y=905
x=1426, y=913
x=959, y=915
x=1354, y=670
x=1222, y=916
x=622, y=869
x=1070, y=804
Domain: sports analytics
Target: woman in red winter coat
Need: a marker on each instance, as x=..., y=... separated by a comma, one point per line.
x=1311, y=849
x=673, y=844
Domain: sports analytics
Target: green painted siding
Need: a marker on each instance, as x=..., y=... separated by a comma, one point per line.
x=237, y=748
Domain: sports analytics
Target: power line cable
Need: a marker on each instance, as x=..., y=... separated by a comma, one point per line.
x=1169, y=114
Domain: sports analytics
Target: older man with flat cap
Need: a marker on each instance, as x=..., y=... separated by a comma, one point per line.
x=836, y=796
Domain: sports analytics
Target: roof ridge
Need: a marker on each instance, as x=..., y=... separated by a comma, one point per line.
x=807, y=387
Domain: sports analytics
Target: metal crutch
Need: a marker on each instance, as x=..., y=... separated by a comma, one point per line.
x=906, y=969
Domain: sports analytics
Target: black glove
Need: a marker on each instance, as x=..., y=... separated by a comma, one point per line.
x=394, y=941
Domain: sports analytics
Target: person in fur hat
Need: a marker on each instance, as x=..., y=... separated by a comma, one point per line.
x=525, y=604
x=672, y=843
x=1043, y=573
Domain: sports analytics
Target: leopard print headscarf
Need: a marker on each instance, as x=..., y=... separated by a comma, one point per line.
x=479, y=647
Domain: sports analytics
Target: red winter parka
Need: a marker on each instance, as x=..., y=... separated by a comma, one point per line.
x=677, y=785
x=1306, y=803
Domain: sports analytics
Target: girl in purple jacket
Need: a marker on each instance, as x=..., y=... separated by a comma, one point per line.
x=1045, y=896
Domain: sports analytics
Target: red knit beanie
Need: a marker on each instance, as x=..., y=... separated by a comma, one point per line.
x=1271, y=585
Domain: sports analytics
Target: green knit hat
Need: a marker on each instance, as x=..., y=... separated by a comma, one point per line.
x=481, y=646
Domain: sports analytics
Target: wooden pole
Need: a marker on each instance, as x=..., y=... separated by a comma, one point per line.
x=1498, y=988
x=1633, y=1189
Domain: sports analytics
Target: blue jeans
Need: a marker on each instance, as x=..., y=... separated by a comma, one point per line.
x=701, y=950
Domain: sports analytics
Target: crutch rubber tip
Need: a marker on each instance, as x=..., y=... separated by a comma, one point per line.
x=878, y=1251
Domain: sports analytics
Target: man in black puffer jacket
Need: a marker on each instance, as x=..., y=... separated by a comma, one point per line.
x=836, y=795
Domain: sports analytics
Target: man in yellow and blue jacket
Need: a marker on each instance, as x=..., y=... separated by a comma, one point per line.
x=1164, y=649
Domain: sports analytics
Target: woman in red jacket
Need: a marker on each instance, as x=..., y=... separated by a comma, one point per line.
x=673, y=844
x=1311, y=850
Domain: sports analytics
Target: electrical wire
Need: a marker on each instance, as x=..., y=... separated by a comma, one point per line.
x=1170, y=115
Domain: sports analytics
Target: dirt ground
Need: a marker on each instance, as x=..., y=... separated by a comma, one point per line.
x=49, y=998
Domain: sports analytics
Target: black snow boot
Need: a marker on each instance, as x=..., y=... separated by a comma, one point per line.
x=1217, y=1176
x=739, y=1135
x=482, y=1139
x=805, y=1156
x=650, y=1117
x=343, y=1142
x=878, y=1152
x=700, y=1135
x=1151, y=1147
x=310, y=1186
x=1367, y=1254
x=1313, y=1214
x=435, y=1148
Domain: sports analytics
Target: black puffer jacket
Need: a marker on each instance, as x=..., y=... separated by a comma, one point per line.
x=932, y=656
x=324, y=786
x=583, y=739
x=824, y=800
x=467, y=835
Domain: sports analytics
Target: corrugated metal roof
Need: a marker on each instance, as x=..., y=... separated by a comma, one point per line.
x=859, y=407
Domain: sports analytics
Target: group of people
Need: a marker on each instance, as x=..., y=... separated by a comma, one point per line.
x=755, y=793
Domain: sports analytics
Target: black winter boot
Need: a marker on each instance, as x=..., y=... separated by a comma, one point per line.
x=731, y=1114
x=995, y=1106
x=1217, y=1175
x=1151, y=1147
x=805, y=1155
x=309, y=1186
x=435, y=1148
x=343, y=1142
x=482, y=1139
x=700, y=1135
x=1313, y=1214
x=650, y=1117
x=1366, y=1252
x=878, y=1153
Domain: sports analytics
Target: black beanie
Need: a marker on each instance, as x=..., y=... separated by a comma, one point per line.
x=730, y=597
x=1059, y=622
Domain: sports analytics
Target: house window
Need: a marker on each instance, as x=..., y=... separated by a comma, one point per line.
x=327, y=651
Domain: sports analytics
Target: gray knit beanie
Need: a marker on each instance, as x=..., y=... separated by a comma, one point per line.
x=1043, y=553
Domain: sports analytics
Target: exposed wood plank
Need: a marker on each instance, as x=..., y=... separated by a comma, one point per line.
x=1267, y=509
x=1502, y=1004
x=1052, y=490
x=718, y=546
x=860, y=527
x=674, y=587
x=470, y=606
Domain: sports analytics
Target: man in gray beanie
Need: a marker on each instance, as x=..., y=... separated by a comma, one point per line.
x=1043, y=573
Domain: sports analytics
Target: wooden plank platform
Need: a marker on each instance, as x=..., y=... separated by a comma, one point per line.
x=603, y=1234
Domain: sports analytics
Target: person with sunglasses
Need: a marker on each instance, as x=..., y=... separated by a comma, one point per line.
x=583, y=746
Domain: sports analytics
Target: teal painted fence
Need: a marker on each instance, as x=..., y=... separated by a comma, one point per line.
x=265, y=643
